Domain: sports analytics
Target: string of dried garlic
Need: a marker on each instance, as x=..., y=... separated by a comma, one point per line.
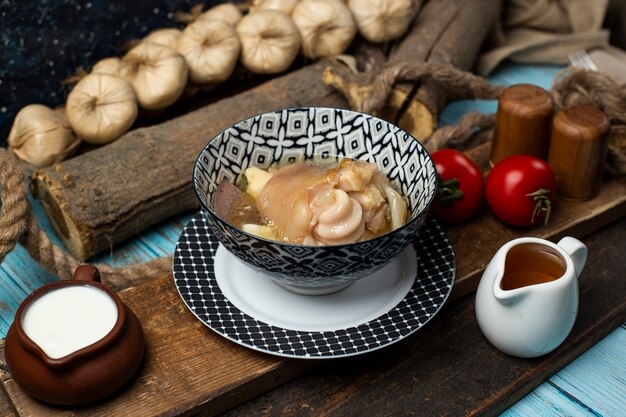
x=41, y=136
x=270, y=41
x=101, y=107
x=326, y=27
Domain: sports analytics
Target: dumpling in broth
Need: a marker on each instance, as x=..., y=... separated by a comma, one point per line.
x=311, y=205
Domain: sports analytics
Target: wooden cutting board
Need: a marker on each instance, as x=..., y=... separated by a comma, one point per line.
x=189, y=369
x=449, y=368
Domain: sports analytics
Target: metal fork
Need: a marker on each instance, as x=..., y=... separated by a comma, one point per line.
x=581, y=59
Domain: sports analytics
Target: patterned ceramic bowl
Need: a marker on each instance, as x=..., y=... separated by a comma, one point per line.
x=315, y=133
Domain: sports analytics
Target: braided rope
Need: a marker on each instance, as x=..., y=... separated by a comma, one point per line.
x=15, y=207
x=572, y=86
x=458, y=83
x=18, y=224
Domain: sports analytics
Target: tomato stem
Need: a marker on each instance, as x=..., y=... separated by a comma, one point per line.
x=448, y=192
x=542, y=204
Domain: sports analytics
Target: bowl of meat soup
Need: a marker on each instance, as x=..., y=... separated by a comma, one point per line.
x=296, y=194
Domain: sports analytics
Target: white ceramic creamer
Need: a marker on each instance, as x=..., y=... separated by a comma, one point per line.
x=70, y=318
x=531, y=318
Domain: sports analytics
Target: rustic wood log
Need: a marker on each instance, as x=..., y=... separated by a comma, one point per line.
x=447, y=32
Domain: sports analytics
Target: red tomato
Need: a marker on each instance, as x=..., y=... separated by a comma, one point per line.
x=461, y=187
x=520, y=190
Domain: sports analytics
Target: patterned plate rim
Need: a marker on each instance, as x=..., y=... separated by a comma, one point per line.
x=432, y=286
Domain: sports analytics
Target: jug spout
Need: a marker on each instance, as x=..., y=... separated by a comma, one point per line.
x=527, y=299
x=576, y=250
x=509, y=296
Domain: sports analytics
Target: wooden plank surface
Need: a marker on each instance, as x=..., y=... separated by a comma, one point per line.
x=449, y=368
x=588, y=384
x=6, y=406
x=19, y=275
x=189, y=368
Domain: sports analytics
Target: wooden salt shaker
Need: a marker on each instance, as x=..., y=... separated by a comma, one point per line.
x=578, y=150
x=523, y=123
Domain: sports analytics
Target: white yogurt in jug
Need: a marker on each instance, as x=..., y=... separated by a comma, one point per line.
x=70, y=318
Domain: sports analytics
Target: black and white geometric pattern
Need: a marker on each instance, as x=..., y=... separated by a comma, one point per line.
x=294, y=135
x=195, y=279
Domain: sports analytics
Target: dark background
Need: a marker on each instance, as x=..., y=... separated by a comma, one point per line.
x=44, y=42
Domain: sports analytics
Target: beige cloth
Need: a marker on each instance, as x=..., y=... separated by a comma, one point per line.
x=545, y=31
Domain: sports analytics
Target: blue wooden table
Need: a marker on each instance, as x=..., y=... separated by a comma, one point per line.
x=593, y=384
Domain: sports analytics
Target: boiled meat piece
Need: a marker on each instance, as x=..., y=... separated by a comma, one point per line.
x=311, y=205
x=283, y=199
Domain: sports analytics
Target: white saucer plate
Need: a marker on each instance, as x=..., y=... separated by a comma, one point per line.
x=248, y=308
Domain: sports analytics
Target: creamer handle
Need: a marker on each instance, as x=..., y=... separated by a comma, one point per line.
x=577, y=250
x=86, y=272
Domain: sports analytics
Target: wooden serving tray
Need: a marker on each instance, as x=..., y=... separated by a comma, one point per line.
x=189, y=369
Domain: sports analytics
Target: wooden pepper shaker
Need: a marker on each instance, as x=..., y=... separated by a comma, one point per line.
x=578, y=149
x=523, y=123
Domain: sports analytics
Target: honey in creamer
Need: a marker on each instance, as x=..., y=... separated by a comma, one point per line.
x=530, y=264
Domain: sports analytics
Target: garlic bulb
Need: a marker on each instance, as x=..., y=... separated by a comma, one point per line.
x=285, y=6
x=107, y=66
x=326, y=27
x=383, y=20
x=167, y=37
x=158, y=74
x=41, y=136
x=227, y=12
x=101, y=107
x=211, y=49
x=270, y=41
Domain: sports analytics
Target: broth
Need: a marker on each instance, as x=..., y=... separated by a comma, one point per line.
x=246, y=212
x=530, y=264
x=302, y=194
